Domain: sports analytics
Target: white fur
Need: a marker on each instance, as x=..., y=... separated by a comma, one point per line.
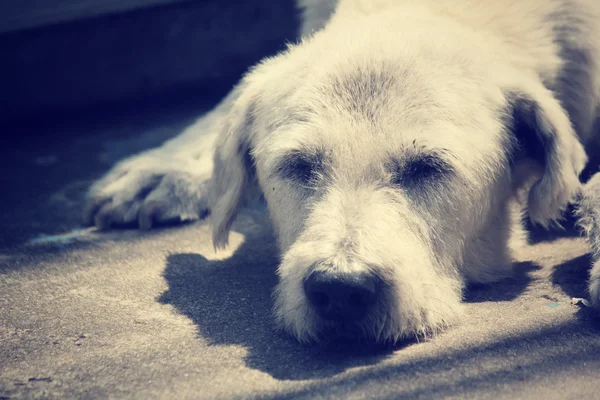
x=381, y=79
x=589, y=212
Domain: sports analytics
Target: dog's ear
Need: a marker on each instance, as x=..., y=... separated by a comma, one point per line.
x=544, y=134
x=234, y=173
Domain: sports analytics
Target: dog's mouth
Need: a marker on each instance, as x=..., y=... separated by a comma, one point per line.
x=342, y=333
x=353, y=338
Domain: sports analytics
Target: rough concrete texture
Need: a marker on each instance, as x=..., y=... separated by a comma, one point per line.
x=129, y=314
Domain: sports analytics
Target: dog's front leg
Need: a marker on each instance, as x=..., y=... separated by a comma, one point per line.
x=162, y=184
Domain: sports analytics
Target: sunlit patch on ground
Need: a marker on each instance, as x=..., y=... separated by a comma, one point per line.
x=62, y=239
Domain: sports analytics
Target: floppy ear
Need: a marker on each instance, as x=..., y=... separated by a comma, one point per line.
x=545, y=134
x=234, y=172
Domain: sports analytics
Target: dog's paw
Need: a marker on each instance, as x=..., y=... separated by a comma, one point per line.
x=152, y=188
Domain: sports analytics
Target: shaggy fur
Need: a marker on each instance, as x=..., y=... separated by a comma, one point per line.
x=397, y=137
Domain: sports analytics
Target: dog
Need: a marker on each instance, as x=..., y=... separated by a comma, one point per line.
x=398, y=145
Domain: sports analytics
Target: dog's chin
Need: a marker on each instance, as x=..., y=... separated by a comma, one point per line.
x=376, y=330
x=364, y=335
x=352, y=339
x=346, y=335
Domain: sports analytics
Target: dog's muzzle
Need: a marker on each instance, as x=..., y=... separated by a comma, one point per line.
x=342, y=297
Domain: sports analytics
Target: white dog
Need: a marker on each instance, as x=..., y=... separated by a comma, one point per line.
x=395, y=145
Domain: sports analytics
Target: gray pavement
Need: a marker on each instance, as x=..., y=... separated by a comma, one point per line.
x=129, y=314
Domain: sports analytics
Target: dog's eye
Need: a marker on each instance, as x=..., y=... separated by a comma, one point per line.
x=301, y=167
x=419, y=169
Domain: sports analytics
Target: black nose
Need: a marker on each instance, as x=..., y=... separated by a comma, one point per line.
x=341, y=296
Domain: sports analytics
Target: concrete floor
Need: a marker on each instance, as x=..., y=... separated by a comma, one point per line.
x=129, y=314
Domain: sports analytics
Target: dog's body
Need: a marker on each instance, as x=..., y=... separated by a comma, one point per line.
x=396, y=146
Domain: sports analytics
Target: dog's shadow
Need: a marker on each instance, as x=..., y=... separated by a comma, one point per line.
x=230, y=303
x=572, y=277
x=505, y=290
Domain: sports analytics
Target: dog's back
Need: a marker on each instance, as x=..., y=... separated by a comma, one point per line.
x=558, y=40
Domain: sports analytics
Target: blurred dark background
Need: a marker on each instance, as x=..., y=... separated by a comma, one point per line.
x=66, y=58
x=86, y=83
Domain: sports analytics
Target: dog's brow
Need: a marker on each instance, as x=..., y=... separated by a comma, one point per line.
x=419, y=167
x=301, y=166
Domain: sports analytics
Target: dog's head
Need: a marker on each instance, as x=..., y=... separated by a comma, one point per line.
x=382, y=163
